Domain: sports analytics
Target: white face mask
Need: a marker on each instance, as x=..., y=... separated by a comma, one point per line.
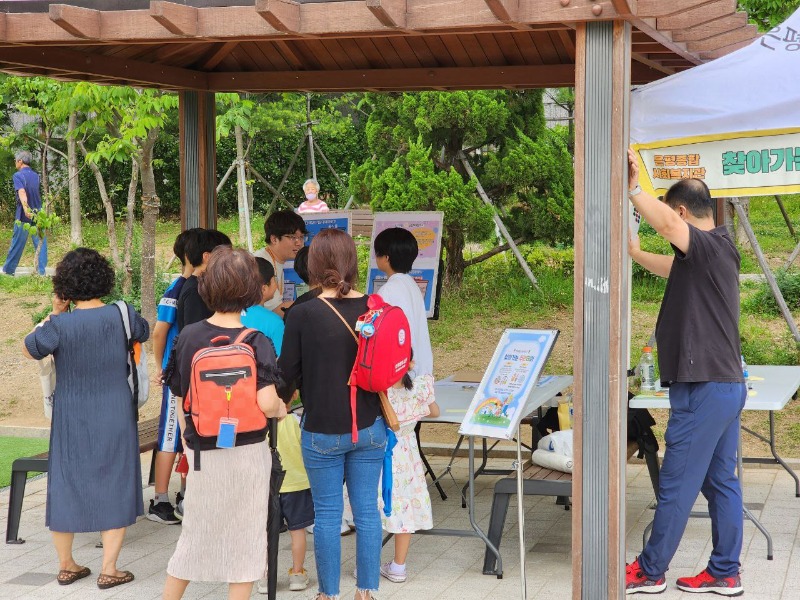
x=311, y=195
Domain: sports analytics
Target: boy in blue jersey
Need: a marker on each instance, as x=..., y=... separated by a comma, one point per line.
x=169, y=435
x=258, y=317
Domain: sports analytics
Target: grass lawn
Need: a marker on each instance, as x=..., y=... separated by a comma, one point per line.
x=12, y=448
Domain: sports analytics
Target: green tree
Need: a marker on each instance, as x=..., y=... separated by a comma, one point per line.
x=768, y=13
x=416, y=141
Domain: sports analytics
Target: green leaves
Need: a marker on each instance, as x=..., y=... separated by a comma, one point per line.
x=768, y=13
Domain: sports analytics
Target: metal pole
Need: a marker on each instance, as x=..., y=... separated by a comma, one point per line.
x=523, y=581
x=285, y=176
x=785, y=216
x=225, y=177
x=499, y=222
x=762, y=261
x=793, y=256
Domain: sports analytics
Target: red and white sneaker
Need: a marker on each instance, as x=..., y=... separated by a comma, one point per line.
x=636, y=582
x=706, y=582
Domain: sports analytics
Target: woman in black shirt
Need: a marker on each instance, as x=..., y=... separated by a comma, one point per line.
x=319, y=352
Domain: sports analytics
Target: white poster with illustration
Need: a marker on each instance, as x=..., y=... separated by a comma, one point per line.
x=427, y=229
x=499, y=402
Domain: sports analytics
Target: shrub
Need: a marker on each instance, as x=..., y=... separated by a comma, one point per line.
x=762, y=301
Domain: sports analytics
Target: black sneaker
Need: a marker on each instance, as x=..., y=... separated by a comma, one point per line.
x=179, y=506
x=162, y=513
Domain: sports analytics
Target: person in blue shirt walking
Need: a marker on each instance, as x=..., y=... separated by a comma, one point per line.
x=258, y=317
x=26, y=186
x=169, y=433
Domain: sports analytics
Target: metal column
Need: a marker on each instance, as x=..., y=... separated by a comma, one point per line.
x=601, y=309
x=197, y=114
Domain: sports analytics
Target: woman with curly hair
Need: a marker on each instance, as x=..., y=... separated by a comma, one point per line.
x=95, y=480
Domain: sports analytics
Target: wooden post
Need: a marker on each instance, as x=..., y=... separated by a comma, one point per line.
x=198, y=166
x=602, y=84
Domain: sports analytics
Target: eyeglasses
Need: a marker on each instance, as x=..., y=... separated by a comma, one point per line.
x=297, y=239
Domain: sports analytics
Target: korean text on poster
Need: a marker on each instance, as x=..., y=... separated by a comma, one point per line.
x=499, y=402
x=316, y=222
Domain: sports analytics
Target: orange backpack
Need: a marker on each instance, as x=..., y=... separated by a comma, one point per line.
x=223, y=385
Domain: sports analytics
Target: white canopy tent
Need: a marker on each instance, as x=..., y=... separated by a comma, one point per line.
x=734, y=122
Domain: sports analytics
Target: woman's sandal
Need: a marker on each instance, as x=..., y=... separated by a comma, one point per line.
x=65, y=576
x=105, y=582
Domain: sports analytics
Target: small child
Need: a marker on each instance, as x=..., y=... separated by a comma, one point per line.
x=258, y=317
x=191, y=307
x=411, y=503
x=169, y=432
x=312, y=203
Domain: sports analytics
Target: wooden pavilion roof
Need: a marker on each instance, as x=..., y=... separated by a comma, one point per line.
x=335, y=45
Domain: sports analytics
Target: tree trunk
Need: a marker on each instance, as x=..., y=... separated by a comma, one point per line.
x=740, y=234
x=75, y=227
x=127, y=270
x=241, y=183
x=44, y=177
x=110, y=220
x=150, y=206
x=454, y=261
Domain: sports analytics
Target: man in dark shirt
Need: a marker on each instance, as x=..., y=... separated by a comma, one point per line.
x=191, y=307
x=699, y=358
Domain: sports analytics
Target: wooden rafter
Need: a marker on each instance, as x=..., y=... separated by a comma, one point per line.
x=73, y=61
x=663, y=8
x=712, y=28
x=697, y=16
x=179, y=19
x=79, y=22
x=719, y=52
x=283, y=15
x=216, y=55
x=391, y=13
x=505, y=11
x=743, y=34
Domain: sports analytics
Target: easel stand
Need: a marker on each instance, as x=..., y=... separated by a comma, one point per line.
x=523, y=580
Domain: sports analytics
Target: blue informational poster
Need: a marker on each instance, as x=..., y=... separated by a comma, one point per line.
x=499, y=402
x=293, y=286
x=316, y=222
x=427, y=229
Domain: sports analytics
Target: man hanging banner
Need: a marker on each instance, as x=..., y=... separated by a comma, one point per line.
x=732, y=122
x=427, y=229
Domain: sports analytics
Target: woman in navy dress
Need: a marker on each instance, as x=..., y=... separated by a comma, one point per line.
x=94, y=481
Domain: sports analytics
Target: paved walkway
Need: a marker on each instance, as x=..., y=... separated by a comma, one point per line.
x=443, y=568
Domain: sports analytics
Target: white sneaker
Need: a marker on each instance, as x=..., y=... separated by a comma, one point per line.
x=310, y=529
x=392, y=575
x=262, y=587
x=344, y=528
x=298, y=581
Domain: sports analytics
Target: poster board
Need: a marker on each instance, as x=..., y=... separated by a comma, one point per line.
x=427, y=228
x=293, y=286
x=508, y=382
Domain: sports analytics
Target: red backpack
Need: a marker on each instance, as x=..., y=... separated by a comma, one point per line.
x=384, y=352
x=223, y=385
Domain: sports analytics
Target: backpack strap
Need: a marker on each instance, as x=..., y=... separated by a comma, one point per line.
x=353, y=389
x=126, y=325
x=341, y=318
x=240, y=338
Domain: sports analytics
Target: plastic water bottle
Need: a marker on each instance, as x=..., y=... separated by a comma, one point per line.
x=647, y=370
x=745, y=372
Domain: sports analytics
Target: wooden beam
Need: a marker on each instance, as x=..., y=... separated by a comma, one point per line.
x=2, y=26
x=391, y=13
x=665, y=39
x=79, y=22
x=720, y=52
x=394, y=79
x=640, y=58
x=697, y=16
x=663, y=8
x=743, y=34
x=175, y=18
x=74, y=61
x=504, y=11
x=712, y=28
x=283, y=15
x=217, y=55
